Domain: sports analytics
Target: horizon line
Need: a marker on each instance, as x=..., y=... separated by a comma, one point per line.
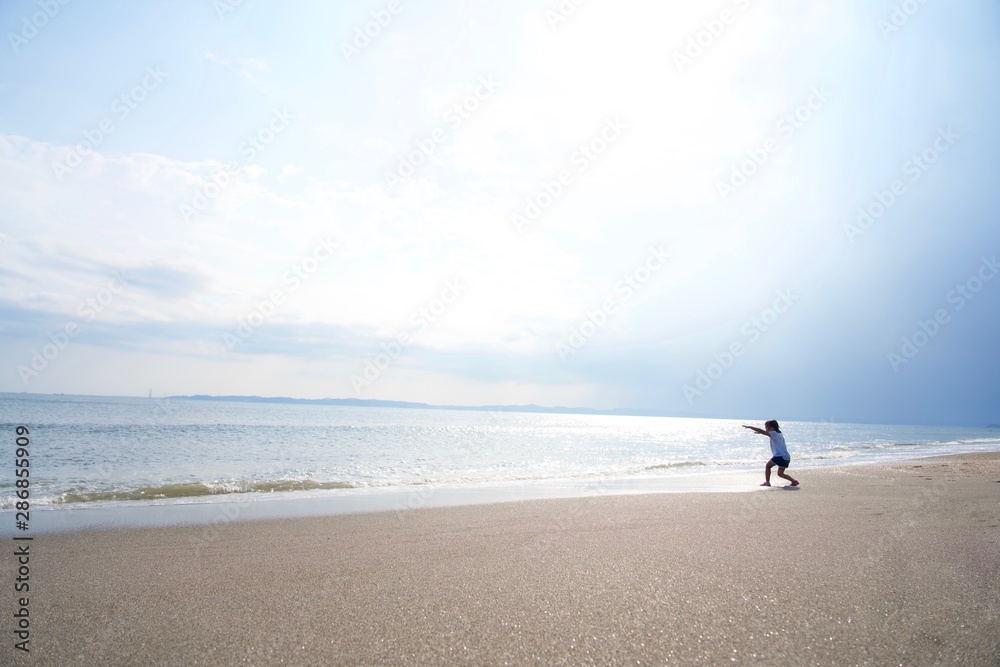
x=525, y=408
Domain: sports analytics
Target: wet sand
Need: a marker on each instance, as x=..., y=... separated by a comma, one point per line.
x=886, y=565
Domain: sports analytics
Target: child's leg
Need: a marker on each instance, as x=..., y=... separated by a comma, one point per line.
x=767, y=472
x=781, y=473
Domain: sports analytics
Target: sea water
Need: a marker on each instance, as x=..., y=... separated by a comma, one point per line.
x=90, y=452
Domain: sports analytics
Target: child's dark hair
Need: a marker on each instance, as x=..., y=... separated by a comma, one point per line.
x=773, y=423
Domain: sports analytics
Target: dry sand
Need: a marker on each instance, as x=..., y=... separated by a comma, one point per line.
x=859, y=566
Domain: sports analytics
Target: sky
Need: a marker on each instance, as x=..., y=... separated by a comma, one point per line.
x=741, y=208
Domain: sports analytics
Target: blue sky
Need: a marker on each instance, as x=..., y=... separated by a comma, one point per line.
x=633, y=204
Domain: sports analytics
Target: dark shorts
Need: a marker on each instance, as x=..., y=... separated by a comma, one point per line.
x=780, y=461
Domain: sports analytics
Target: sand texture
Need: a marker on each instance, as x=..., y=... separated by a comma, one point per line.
x=895, y=565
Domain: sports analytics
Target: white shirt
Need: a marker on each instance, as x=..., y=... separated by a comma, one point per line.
x=778, y=447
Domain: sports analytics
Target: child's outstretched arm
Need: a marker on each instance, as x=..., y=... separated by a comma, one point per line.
x=756, y=430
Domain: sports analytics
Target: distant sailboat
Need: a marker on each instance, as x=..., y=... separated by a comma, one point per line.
x=151, y=393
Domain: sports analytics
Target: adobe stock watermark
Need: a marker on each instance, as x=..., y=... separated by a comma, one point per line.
x=456, y=114
x=415, y=500
x=752, y=330
x=562, y=12
x=59, y=340
x=905, y=522
x=926, y=330
x=624, y=290
x=211, y=531
x=758, y=156
x=366, y=33
x=568, y=520
x=419, y=321
x=704, y=39
x=582, y=158
x=915, y=168
x=250, y=148
x=121, y=109
x=421, y=495
x=32, y=24
x=162, y=408
x=900, y=16
x=223, y=7
x=292, y=279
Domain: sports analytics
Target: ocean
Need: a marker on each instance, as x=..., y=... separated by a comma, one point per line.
x=90, y=453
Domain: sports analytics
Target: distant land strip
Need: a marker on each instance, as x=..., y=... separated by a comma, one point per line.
x=375, y=403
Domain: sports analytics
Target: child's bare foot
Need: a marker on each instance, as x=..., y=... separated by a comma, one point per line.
x=766, y=484
x=795, y=482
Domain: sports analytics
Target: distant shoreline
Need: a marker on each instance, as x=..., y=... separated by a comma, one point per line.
x=530, y=408
x=621, y=412
x=377, y=403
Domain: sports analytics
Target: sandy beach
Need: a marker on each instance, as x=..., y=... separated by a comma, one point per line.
x=890, y=565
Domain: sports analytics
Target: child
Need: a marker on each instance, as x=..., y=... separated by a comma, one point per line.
x=779, y=452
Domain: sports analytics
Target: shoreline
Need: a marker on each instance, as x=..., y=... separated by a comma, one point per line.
x=868, y=565
x=225, y=508
x=283, y=506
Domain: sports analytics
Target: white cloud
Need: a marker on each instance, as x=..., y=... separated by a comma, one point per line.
x=656, y=185
x=248, y=69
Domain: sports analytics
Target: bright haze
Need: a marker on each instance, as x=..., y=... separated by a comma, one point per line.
x=748, y=209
